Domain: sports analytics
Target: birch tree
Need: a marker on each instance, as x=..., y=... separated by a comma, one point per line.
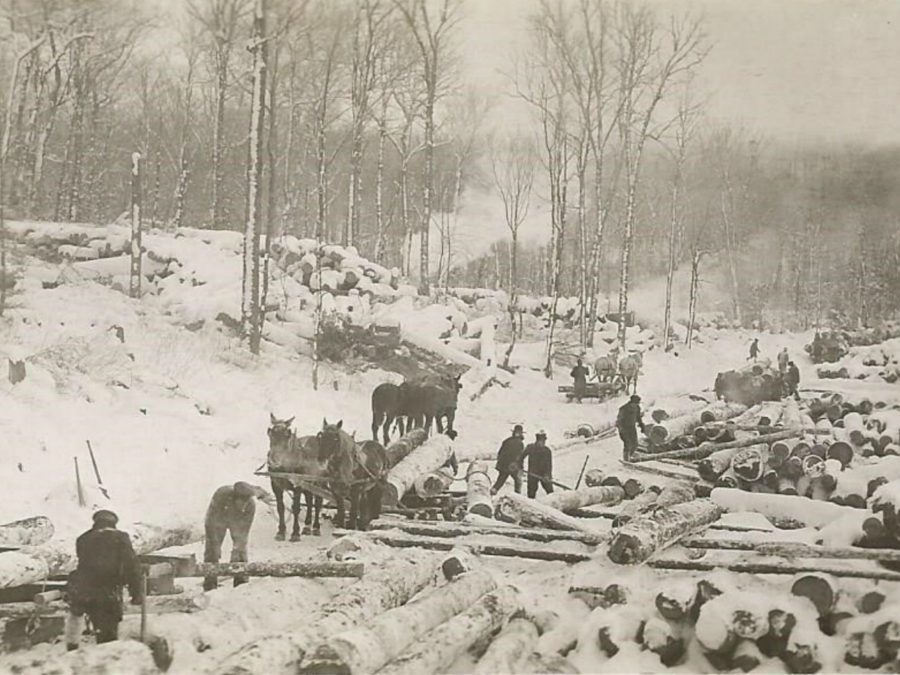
x=431, y=23
x=648, y=62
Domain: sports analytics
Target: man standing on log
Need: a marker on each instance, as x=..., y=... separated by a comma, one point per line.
x=754, y=349
x=509, y=460
x=106, y=564
x=230, y=510
x=627, y=421
x=540, y=465
x=579, y=376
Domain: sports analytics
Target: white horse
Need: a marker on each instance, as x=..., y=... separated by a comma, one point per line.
x=630, y=368
x=606, y=367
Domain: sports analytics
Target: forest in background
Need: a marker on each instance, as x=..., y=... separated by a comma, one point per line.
x=371, y=137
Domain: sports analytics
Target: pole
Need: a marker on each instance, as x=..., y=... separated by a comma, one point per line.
x=134, y=289
x=581, y=475
x=143, y=605
x=78, y=483
x=97, y=471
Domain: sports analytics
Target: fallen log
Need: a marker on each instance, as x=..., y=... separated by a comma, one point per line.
x=26, y=532
x=404, y=445
x=636, y=541
x=460, y=529
x=433, y=483
x=769, y=568
x=428, y=457
x=634, y=507
x=280, y=569
x=791, y=549
x=390, y=584
x=706, y=449
x=57, y=557
x=638, y=463
x=510, y=550
x=519, y=509
x=814, y=513
x=437, y=650
x=712, y=467
x=367, y=648
x=509, y=651
x=685, y=424
x=478, y=490
x=122, y=656
x=586, y=496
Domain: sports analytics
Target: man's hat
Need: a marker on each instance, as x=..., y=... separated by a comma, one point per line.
x=245, y=490
x=541, y=434
x=518, y=429
x=105, y=517
x=635, y=398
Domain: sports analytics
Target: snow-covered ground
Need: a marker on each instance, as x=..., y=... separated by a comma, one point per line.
x=173, y=413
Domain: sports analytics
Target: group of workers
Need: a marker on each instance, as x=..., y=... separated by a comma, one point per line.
x=511, y=460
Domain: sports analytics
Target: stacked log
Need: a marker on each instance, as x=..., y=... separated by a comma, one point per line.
x=404, y=445
x=575, y=499
x=519, y=509
x=478, y=490
x=685, y=424
x=753, y=384
x=428, y=457
x=509, y=651
x=26, y=532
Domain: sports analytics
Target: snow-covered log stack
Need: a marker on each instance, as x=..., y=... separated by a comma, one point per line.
x=753, y=384
x=26, y=532
x=666, y=430
x=423, y=460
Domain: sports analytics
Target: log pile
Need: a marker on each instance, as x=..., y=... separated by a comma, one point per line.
x=754, y=384
x=418, y=464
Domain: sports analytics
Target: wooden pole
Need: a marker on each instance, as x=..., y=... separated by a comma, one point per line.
x=78, y=483
x=280, y=569
x=97, y=471
x=143, y=605
x=581, y=473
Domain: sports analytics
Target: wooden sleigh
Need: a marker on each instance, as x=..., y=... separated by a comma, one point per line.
x=598, y=390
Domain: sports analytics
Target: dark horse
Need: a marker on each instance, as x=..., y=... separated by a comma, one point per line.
x=289, y=453
x=390, y=402
x=356, y=473
x=434, y=400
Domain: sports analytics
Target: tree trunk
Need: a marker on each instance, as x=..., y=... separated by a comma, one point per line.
x=57, y=557
x=770, y=568
x=428, y=457
x=440, y=648
x=586, y=496
x=433, y=483
x=478, y=490
x=223, y=53
x=280, y=569
x=627, y=242
x=366, y=649
x=708, y=448
x=685, y=424
x=135, y=275
x=670, y=266
x=636, y=541
x=404, y=445
x=251, y=313
x=428, y=187
x=508, y=651
x=518, y=509
x=390, y=584
x=812, y=513
x=791, y=549
x=26, y=532
x=692, y=303
x=450, y=530
x=379, y=188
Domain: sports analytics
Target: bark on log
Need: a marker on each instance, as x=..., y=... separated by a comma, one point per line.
x=404, y=445
x=281, y=569
x=123, y=656
x=428, y=457
x=26, y=532
x=433, y=483
x=792, y=550
x=587, y=496
x=685, y=424
x=57, y=557
x=366, y=649
x=634, y=507
x=816, y=514
x=438, y=348
x=712, y=467
x=511, y=550
x=391, y=584
x=446, y=529
x=706, y=449
x=478, y=490
x=521, y=510
x=437, y=650
x=510, y=649
x=770, y=568
x=644, y=536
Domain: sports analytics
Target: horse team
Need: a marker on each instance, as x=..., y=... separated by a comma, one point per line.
x=608, y=367
x=332, y=464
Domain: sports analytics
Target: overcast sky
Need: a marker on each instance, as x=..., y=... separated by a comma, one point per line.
x=793, y=69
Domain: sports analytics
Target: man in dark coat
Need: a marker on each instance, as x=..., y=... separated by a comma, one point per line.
x=792, y=380
x=540, y=465
x=754, y=349
x=627, y=421
x=509, y=460
x=106, y=564
x=579, y=376
x=230, y=511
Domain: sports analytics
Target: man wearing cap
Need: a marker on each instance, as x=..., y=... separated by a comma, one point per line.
x=627, y=421
x=579, y=378
x=509, y=460
x=106, y=564
x=230, y=511
x=540, y=465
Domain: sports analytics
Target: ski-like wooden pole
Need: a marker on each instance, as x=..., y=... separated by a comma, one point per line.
x=97, y=471
x=134, y=288
x=581, y=473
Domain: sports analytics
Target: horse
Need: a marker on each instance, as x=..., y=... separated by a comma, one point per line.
x=389, y=406
x=434, y=401
x=606, y=367
x=630, y=368
x=289, y=453
x=356, y=473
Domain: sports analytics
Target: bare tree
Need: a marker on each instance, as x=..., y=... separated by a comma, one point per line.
x=431, y=24
x=648, y=64
x=251, y=313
